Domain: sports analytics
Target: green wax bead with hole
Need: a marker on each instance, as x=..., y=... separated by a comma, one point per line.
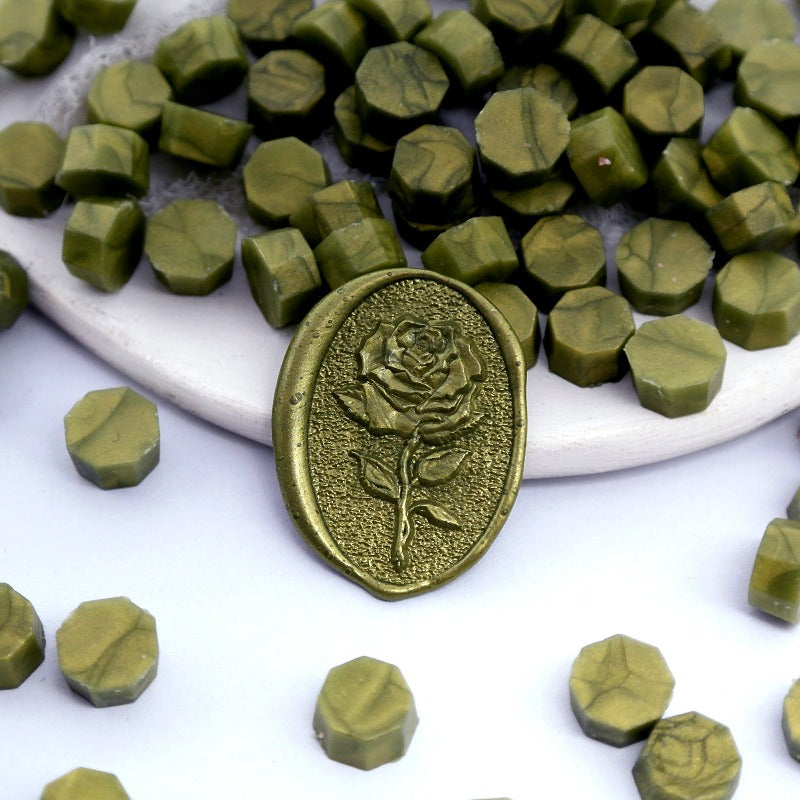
x=544, y=78
x=513, y=24
x=30, y=156
x=21, y=638
x=97, y=16
x=398, y=20
x=791, y=720
x=102, y=241
x=680, y=180
x=793, y=509
x=745, y=23
x=335, y=33
x=282, y=273
x=34, y=37
x=13, y=290
x=265, y=24
x=662, y=266
x=343, y=203
x=677, y=364
x=358, y=249
x=83, y=783
x=104, y=160
x=520, y=313
x=620, y=13
x=202, y=136
x=775, y=580
x=549, y=197
x=191, y=244
x=358, y=147
x=204, y=59
x=757, y=300
x=767, y=79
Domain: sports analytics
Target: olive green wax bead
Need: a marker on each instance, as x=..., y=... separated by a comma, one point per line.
x=398, y=20
x=514, y=24
x=419, y=233
x=793, y=509
x=619, y=688
x=108, y=651
x=605, y=156
x=104, y=160
x=97, y=16
x=744, y=23
x=265, y=24
x=546, y=79
x=561, y=253
x=662, y=266
x=102, y=241
x=190, y=244
x=279, y=178
x=113, y=437
x=13, y=290
x=34, y=37
x=21, y=638
x=337, y=206
x=282, y=273
x=335, y=33
x=775, y=580
x=520, y=313
x=357, y=146
x=520, y=134
x=791, y=720
x=465, y=47
x=30, y=156
x=677, y=364
x=767, y=79
x=85, y=784
x=204, y=59
x=365, y=714
x=688, y=756
x=549, y=197
x=620, y=13
x=757, y=300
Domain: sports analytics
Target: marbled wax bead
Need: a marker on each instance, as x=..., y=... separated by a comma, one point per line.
x=677, y=364
x=358, y=249
x=791, y=720
x=335, y=33
x=760, y=217
x=620, y=13
x=662, y=266
x=605, y=156
x=399, y=87
x=585, y=334
x=520, y=313
x=82, y=783
x=282, y=274
x=680, y=180
x=466, y=48
x=190, y=244
x=129, y=94
x=104, y=160
x=514, y=24
x=97, y=16
x=13, y=290
x=265, y=24
x=546, y=79
x=757, y=300
x=285, y=95
x=34, y=37
x=767, y=79
x=102, y=241
x=744, y=23
x=398, y=20
x=561, y=253
x=204, y=59
x=357, y=146
x=279, y=178
x=30, y=156
x=524, y=205
x=793, y=509
x=341, y=204
x=21, y=638
x=521, y=134
x=775, y=580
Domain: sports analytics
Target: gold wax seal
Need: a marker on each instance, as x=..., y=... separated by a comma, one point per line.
x=399, y=429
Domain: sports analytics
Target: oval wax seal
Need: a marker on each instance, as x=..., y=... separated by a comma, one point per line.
x=399, y=429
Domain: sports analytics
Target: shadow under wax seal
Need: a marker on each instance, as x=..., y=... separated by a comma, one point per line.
x=399, y=429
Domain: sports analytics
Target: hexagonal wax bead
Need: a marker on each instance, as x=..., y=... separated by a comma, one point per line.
x=688, y=756
x=30, y=156
x=34, y=37
x=13, y=290
x=399, y=87
x=113, y=437
x=357, y=146
x=97, y=16
x=82, y=783
x=791, y=720
x=765, y=78
x=520, y=313
x=264, y=24
x=560, y=253
x=793, y=509
x=619, y=688
x=677, y=364
x=203, y=59
x=337, y=206
x=775, y=580
x=108, y=651
x=523, y=205
x=521, y=134
x=102, y=241
x=745, y=23
x=104, y=160
x=513, y=23
x=21, y=638
x=335, y=33
x=190, y=244
x=365, y=714
x=398, y=20
x=546, y=79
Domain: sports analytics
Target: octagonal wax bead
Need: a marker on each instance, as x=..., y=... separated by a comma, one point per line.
x=793, y=509
x=688, y=756
x=339, y=205
x=520, y=313
x=766, y=78
x=279, y=178
x=744, y=24
x=13, y=290
x=104, y=160
x=108, y=651
x=335, y=33
x=513, y=23
x=203, y=59
x=619, y=688
x=97, y=16
x=605, y=156
x=680, y=179
x=365, y=714
x=113, y=437
x=34, y=37
x=102, y=241
x=30, y=156
x=265, y=24
x=791, y=720
x=399, y=87
x=521, y=134
x=677, y=364
x=585, y=335
x=546, y=79
x=398, y=20
x=775, y=580
x=83, y=783
x=524, y=205
x=21, y=638
x=357, y=146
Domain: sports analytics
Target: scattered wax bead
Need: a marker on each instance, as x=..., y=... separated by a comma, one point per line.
x=365, y=714
x=620, y=13
x=791, y=720
x=744, y=23
x=82, y=784
x=13, y=290
x=619, y=688
x=513, y=23
x=30, y=155
x=546, y=79
x=190, y=244
x=520, y=313
x=102, y=241
x=775, y=579
x=341, y=204
x=112, y=437
x=358, y=147
x=282, y=273
x=585, y=335
x=680, y=180
x=688, y=756
x=767, y=78
x=264, y=24
x=335, y=33
x=21, y=638
x=677, y=364
x=97, y=16
x=793, y=509
x=34, y=37
x=549, y=197
x=398, y=19
x=108, y=651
